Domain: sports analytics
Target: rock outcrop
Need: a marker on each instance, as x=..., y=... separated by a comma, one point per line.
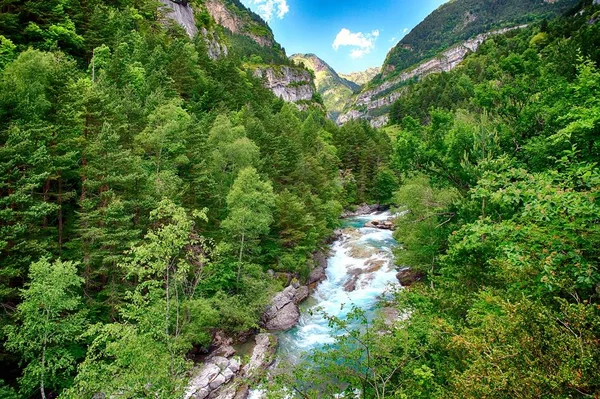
x=214, y=47
x=182, y=14
x=288, y=83
x=223, y=378
x=226, y=18
x=213, y=375
x=283, y=313
x=263, y=355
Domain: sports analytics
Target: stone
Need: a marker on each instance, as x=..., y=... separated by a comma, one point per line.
x=217, y=382
x=202, y=394
x=234, y=365
x=301, y=294
x=201, y=381
x=291, y=84
x=263, y=355
x=286, y=318
x=228, y=374
x=220, y=361
x=283, y=313
x=317, y=275
x=350, y=285
x=182, y=14
x=408, y=277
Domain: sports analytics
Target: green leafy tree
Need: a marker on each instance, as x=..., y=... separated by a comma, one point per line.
x=250, y=204
x=50, y=322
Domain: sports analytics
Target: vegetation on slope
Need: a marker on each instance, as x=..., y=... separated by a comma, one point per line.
x=459, y=20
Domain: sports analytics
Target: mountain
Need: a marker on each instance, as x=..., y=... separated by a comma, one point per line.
x=440, y=43
x=335, y=90
x=363, y=77
x=460, y=20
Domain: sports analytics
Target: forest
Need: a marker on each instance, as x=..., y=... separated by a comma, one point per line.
x=151, y=196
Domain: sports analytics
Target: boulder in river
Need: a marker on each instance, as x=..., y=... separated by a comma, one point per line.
x=380, y=224
x=283, y=313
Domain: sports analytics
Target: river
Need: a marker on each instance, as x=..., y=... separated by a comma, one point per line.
x=360, y=272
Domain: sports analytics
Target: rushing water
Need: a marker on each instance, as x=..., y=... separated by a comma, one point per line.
x=360, y=271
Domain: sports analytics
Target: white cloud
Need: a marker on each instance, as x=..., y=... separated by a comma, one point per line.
x=268, y=8
x=405, y=30
x=393, y=39
x=361, y=43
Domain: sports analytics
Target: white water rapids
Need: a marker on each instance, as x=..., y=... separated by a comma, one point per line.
x=363, y=256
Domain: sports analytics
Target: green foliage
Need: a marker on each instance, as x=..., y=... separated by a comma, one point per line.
x=50, y=322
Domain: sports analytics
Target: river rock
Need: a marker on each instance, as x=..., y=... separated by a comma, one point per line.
x=283, y=313
x=263, y=355
x=211, y=377
x=408, y=277
x=350, y=285
x=361, y=252
x=380, y=224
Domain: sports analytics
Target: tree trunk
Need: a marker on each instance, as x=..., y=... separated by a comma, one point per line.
x=237, y=281
x=42, y=390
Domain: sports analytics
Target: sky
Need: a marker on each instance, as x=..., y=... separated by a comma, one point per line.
x=350, y=35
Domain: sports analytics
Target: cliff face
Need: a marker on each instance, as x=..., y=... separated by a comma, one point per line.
x=291, y=84
x=288, y=83
x=225, y=17
x=183, y=14
x=373, y=100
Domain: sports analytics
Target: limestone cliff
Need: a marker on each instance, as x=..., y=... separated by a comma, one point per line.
x=229, y=27
x=291, y=84
x=183, y=14
x=246, y=23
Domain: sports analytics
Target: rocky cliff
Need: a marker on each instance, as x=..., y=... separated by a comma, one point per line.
x=370, y=103
x=230, y=22
x=291, y=84
x=183, y=14
x=245, y=23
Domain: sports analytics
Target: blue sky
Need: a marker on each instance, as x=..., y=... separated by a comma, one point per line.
x=350, y=35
